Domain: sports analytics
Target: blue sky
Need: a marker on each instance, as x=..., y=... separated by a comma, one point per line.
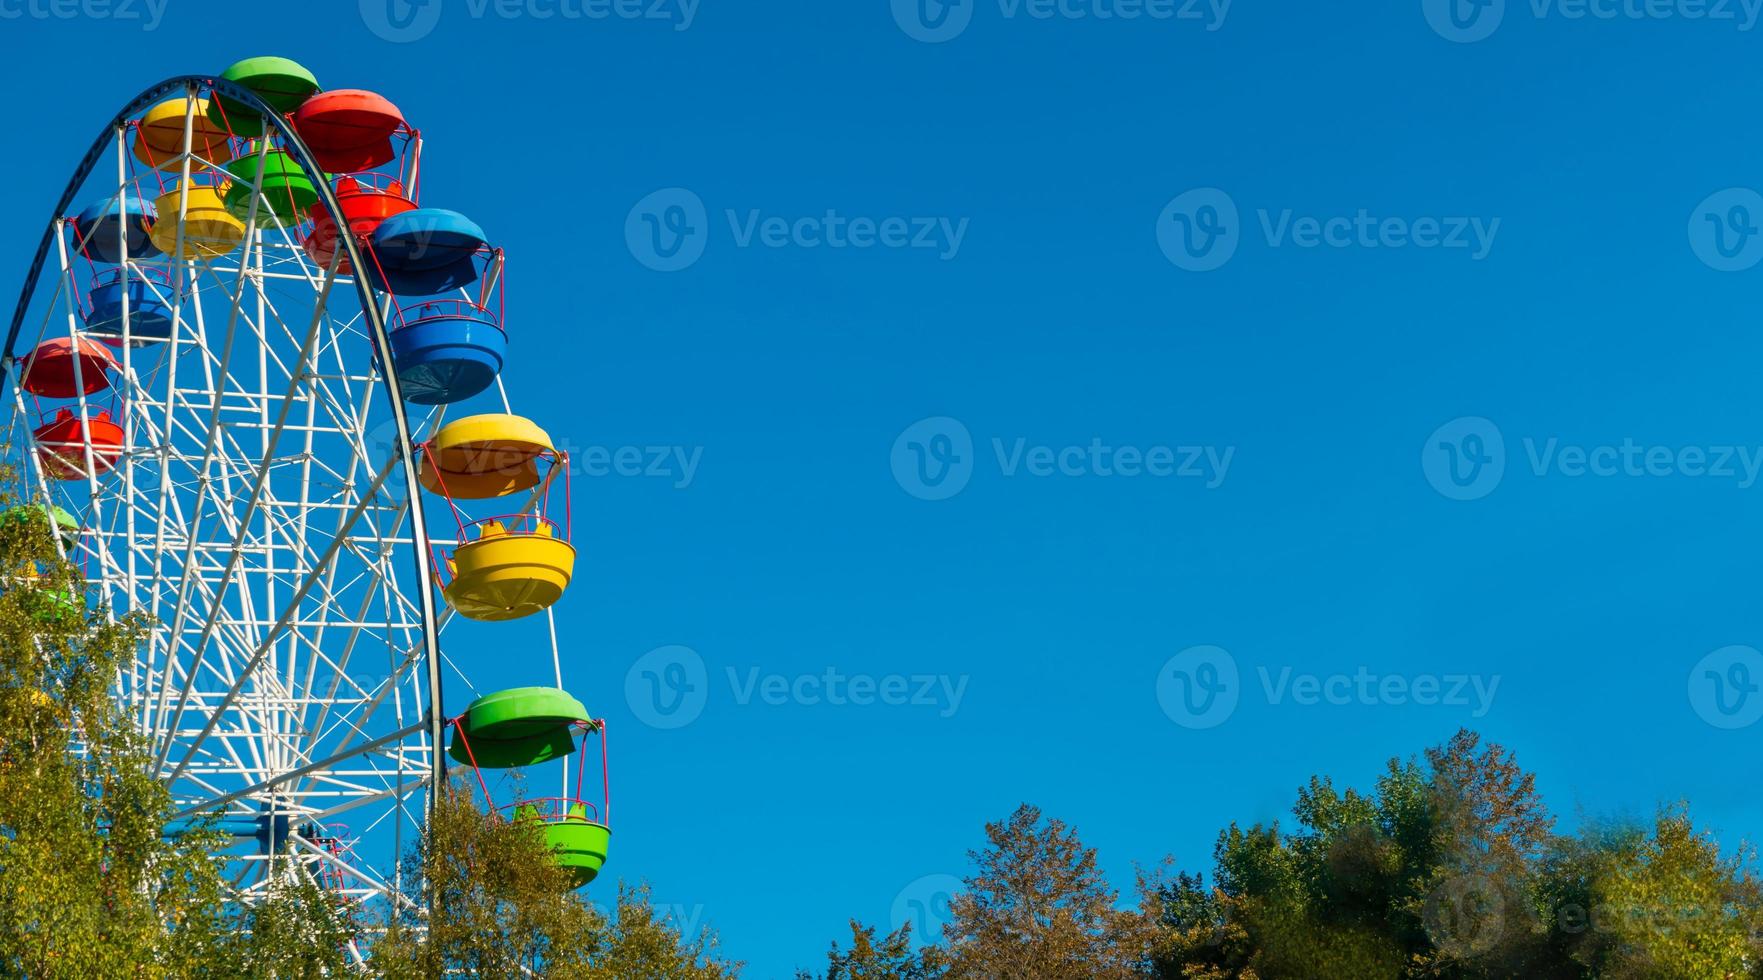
x=1141, y=335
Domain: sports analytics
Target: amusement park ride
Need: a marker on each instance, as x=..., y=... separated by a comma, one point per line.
x=207, y=363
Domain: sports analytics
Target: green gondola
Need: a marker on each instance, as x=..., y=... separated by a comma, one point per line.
x=282, y=83
x=520, y=727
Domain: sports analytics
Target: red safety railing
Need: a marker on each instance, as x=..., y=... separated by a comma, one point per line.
x=551, y=809
x=510, y=525
x=436, y=309
x=602, y=812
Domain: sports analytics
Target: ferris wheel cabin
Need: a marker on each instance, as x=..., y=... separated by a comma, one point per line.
x=54, y=370
x=159, y=136
x=528, y=726
x=210, y=227
x=366, y=200
x=349, y=130
x=425, y=252
x=100, y=230
x=286, y=191
x=508, y=566
x=282, y=83
x=447, y=351
x=148, y=315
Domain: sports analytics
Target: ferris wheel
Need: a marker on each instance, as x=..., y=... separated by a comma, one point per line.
x=233, y=378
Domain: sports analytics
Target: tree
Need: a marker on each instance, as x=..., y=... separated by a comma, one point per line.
x=1448, y=868
x=93, y=885
x=90, y=882
x=1038, y=907
x=1672, y=908
x=501, y=907
x=890, y=958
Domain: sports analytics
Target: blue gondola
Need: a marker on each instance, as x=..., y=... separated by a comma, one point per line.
x=446, y=351
x=149, y=316
x=425, y=252
x=95, y=228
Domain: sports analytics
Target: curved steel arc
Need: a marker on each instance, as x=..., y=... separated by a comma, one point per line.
x=302, y=154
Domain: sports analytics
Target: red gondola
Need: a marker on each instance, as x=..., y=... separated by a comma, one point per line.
x=54, y=371
x=349, y=130
x=62, y=445
x=366, y=200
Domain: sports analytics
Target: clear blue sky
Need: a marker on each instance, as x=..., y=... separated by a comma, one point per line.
x=1053, y=604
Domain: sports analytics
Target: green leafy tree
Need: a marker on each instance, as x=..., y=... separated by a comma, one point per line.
x=90, y=884
x=892, y=957
x=501, y=907
x=1037, y=908
x=1447, y=868
x=1452, y=869
x=1672, y=908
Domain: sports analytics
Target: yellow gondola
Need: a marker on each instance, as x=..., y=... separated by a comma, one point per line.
x=159, y=139
x=484, y=456
x=515, y=567
x=508, y=566
x=210, y=229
